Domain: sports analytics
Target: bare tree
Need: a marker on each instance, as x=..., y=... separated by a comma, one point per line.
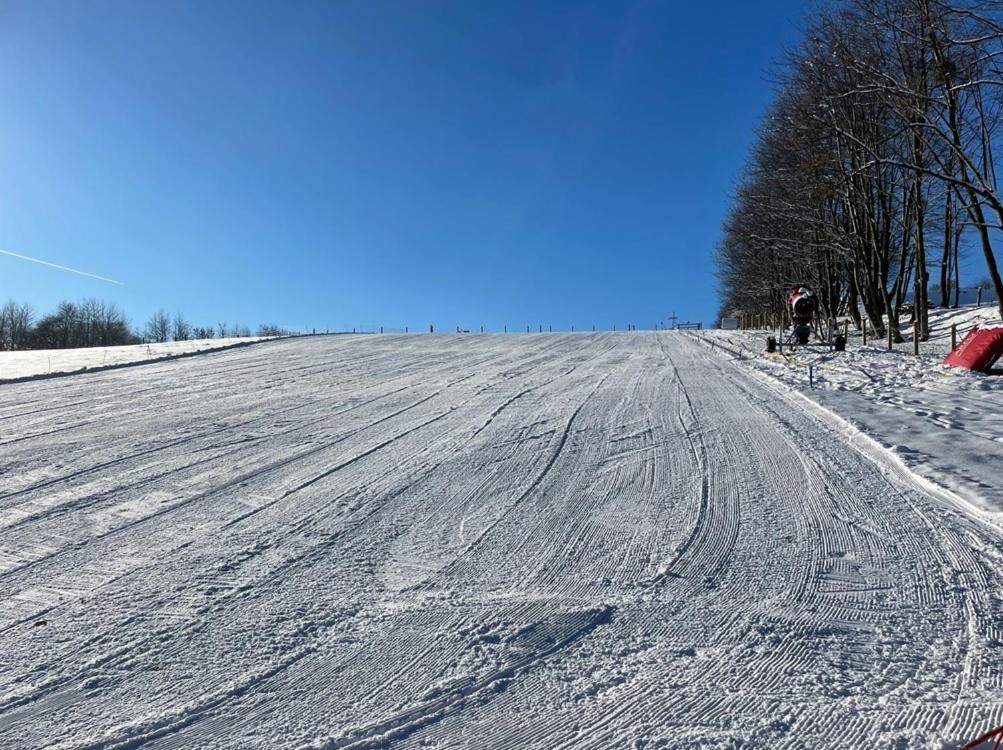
x=181, y=330
x=15, y=325
x=158, y=327
x=113, y=327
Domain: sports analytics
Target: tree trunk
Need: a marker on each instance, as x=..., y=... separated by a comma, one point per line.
x=922, y=275
x=975, y=211
x=945, y=256
x=852, y=302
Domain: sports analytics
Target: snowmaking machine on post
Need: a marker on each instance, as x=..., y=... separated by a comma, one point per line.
x=802, y=304
x=802, y=309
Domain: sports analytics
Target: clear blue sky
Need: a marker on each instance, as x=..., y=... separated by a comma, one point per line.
x=365, y=163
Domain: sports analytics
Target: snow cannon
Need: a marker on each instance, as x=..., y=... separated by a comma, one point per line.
x=803, y=304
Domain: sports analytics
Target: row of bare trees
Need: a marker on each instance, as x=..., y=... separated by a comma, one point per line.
x=875, y=163
x=75, y=324
x=92, y=322
x=161, y=327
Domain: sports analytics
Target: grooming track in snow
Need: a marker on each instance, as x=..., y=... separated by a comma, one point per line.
x=505, y=541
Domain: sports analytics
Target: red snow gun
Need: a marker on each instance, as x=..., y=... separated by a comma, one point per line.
x=803, y=304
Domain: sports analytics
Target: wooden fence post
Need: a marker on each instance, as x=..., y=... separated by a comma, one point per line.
x=915, y=336
x=954, y=336
x=864, y=325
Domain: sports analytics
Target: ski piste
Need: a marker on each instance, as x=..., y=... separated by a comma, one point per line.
x=507, y=541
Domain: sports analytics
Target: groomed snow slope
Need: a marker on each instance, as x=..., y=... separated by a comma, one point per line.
x=522, y=541
x=33, y=362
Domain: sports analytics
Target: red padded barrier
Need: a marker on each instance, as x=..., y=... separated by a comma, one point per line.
x=978, y=350
x=995, y=734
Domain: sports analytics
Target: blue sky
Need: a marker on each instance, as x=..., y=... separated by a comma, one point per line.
x=338, y=164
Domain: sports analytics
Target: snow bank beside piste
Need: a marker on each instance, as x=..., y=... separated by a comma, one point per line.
x=943, y=424
x=22, y=365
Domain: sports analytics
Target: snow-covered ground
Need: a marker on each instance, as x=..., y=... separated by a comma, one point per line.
x=23, y=364
x=944, y=423
x=523, y=541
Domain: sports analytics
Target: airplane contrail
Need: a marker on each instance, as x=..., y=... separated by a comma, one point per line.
x=62, y=268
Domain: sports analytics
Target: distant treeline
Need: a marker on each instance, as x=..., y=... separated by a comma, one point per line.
x=92, y=322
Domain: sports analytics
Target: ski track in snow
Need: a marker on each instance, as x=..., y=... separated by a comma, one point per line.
x=505, y=541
